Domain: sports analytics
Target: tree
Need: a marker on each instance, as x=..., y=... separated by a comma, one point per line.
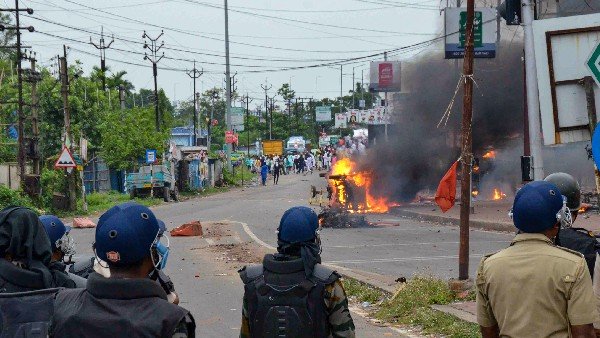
x=127, y=134
x=117, y=79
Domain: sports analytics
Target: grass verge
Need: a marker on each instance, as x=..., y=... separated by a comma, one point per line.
x=411, y=306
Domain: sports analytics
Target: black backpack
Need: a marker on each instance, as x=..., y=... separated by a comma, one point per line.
x=582, y=241
x=27, y=314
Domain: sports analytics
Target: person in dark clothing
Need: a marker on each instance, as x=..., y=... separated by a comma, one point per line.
x=276, y=171
x=26, y=254
x=291, y=294
x=128, y=303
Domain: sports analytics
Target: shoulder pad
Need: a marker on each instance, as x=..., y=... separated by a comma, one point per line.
x=571, y=251
x=251, y=272
x=486, y=256
x=325, y=274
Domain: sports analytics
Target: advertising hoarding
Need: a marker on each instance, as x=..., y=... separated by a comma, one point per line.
x=485, y=32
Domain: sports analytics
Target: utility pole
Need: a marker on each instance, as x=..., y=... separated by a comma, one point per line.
x=154, y=59
x=533, y=104
x=122, y=97
x=102, y=47
x=195, y=74
x=266, y=88
x=214, y=95
x=385, y=58
x=272, y=108
x=246, y=100
x=68, y=140
x=21, y=117
x=467, y=145
x=34, y=77
x=228, y=79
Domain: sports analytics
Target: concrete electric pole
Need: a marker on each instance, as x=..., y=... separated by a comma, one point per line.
x=154, y=59
x=228, y=86
x=195, y=74
x=102, y=47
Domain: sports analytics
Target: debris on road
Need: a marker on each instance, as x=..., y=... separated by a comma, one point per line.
x=82, y=222
x=188, y=229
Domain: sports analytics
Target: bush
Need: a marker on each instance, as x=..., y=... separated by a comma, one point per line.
x=51, y=181
x=13, y=197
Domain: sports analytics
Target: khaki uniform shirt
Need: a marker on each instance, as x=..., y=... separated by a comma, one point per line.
x=534, y=289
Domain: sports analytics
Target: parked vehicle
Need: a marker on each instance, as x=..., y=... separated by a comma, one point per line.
x=297, y=143
x=161, y=182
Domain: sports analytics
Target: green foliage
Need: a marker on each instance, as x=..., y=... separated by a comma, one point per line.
x=362, y=292
x=100, y=202
x=51, y=181
x=411, y=306
x=127, y=134
x=10, y=197
x=235, y=178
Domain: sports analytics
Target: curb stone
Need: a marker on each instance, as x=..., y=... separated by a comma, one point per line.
x=475, y=224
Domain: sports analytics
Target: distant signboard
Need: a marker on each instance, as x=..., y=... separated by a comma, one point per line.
x=230, y=136
x=323, y=113
x=237, y=115
x=385, y=76
x=150, y=156
x=485, y=30
x=340, y=120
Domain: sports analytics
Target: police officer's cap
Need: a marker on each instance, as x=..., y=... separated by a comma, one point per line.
x=55, y=228
x=125, y=234
x=536, y=207
x=297, y=225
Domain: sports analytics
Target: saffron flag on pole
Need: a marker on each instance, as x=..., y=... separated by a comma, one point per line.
x=446, y=191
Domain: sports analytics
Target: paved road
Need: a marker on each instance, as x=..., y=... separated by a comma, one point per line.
x=212, y=291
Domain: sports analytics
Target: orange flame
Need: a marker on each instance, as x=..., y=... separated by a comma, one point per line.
x=347, y=168
x=490, y=154
x=498, y=195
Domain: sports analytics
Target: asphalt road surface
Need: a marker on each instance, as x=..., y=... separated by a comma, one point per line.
x=207, y=281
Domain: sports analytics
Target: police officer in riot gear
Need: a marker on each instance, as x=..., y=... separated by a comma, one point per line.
x=63, y=246
x=129, y=302
x=26, y=254
x=291, y=294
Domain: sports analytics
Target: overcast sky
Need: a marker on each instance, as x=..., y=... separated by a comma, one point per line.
x=266, y=36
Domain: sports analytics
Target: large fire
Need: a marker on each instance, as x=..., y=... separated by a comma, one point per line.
x=342, y=179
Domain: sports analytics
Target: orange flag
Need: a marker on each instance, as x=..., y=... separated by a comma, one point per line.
x=446, y=191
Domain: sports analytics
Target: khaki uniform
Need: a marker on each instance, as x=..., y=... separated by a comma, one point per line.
x=534, y=289
x=340, y=320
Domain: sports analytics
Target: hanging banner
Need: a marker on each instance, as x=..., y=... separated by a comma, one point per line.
x=323, y=113
x=376, y=116
x=353, y=116
x=340, y=120
x=485, y=32
x=385, y=76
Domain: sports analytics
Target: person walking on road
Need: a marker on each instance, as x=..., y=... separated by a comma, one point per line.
x=291, y=294
x=264, y=171
x=534, y=288
x=276, y=171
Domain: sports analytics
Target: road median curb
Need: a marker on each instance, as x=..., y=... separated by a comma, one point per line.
x=476, y=224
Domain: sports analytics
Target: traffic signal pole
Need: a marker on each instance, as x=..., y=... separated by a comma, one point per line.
x=533, y=103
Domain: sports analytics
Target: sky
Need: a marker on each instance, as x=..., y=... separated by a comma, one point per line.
x=267, y=38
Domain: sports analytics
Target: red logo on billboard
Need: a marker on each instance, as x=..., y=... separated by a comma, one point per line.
x=386, y=74
x=230, y=137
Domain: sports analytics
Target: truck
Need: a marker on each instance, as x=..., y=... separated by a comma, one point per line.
x=157, y=179
x=272, y=147
x=296, y=144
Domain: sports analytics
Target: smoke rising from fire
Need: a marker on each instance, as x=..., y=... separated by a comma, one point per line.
x=418, y=153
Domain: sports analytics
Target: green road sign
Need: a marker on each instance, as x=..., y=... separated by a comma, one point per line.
x=478, y=29
x=593, y=64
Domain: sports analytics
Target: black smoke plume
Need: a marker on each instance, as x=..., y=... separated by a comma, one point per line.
x=418, y=153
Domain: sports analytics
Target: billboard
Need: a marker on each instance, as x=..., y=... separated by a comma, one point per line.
x=385, y=76
x=340, y=120
x=563, y=49
x=485, y=32
x=323, y=113
x=237, y=116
